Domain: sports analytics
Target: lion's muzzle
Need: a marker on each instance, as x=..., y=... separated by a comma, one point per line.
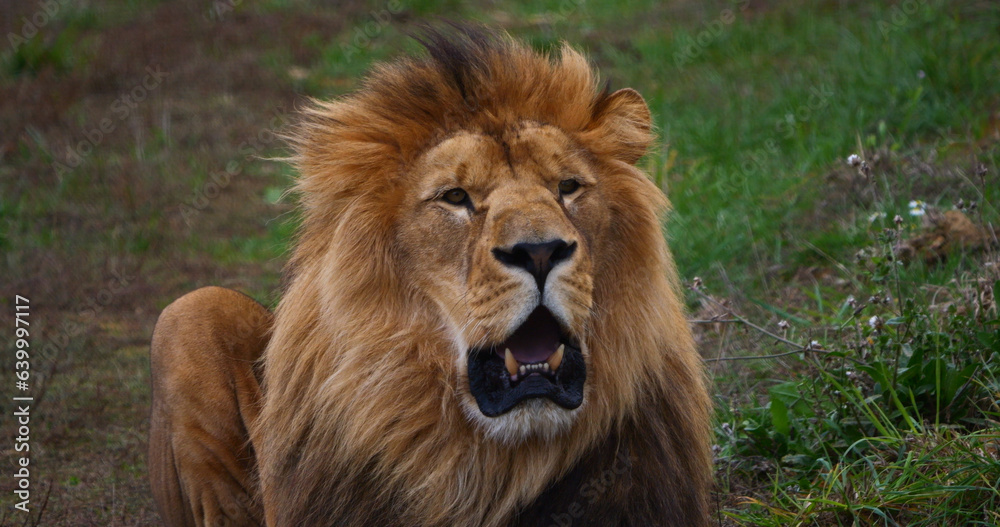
x=537, y=360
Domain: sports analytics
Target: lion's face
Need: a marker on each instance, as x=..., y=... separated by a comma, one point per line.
x=500, y=233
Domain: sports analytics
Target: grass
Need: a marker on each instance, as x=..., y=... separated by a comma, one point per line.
x=757, y=107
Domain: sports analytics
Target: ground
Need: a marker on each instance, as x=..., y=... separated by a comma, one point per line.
x=135, y=165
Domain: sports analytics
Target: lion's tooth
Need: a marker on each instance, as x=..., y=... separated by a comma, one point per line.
x=510, y=361
x=524, y=371
x=556, y=359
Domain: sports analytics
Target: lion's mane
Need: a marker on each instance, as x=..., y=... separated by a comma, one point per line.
x=360, y=424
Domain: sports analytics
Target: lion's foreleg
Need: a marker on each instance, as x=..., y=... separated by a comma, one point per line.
x=205, y=395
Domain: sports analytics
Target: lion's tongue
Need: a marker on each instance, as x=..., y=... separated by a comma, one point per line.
x=536, y=340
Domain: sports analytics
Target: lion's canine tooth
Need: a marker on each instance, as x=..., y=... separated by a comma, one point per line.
x=556, y=359
x=510, y=362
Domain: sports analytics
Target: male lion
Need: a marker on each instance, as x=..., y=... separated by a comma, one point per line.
x=482, y=324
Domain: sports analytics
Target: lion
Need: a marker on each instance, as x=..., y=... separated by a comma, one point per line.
x=482, y=324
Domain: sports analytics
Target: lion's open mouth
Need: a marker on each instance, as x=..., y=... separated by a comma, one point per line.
x=537, y=360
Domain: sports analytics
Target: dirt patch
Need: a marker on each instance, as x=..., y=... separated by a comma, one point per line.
x=95, y=230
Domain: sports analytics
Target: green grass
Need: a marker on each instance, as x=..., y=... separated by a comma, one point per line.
x=761, y=115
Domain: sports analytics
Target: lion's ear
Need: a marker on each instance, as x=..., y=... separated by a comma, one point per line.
x=624, y=125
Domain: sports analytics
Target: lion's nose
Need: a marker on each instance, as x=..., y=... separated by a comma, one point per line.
x=536, y=258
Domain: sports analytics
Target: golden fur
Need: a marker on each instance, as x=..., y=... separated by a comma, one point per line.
x=200, y=461
x=366, y=416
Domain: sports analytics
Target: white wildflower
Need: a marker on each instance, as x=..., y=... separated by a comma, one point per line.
x=875, y=322
x=854, y=160
x=875, y=217
x=917, y=208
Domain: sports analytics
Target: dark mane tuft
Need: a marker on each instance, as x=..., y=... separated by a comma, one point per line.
x=463, y=52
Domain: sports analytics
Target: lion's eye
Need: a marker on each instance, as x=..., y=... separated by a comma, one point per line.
x=456, y=196
x=568, y=186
